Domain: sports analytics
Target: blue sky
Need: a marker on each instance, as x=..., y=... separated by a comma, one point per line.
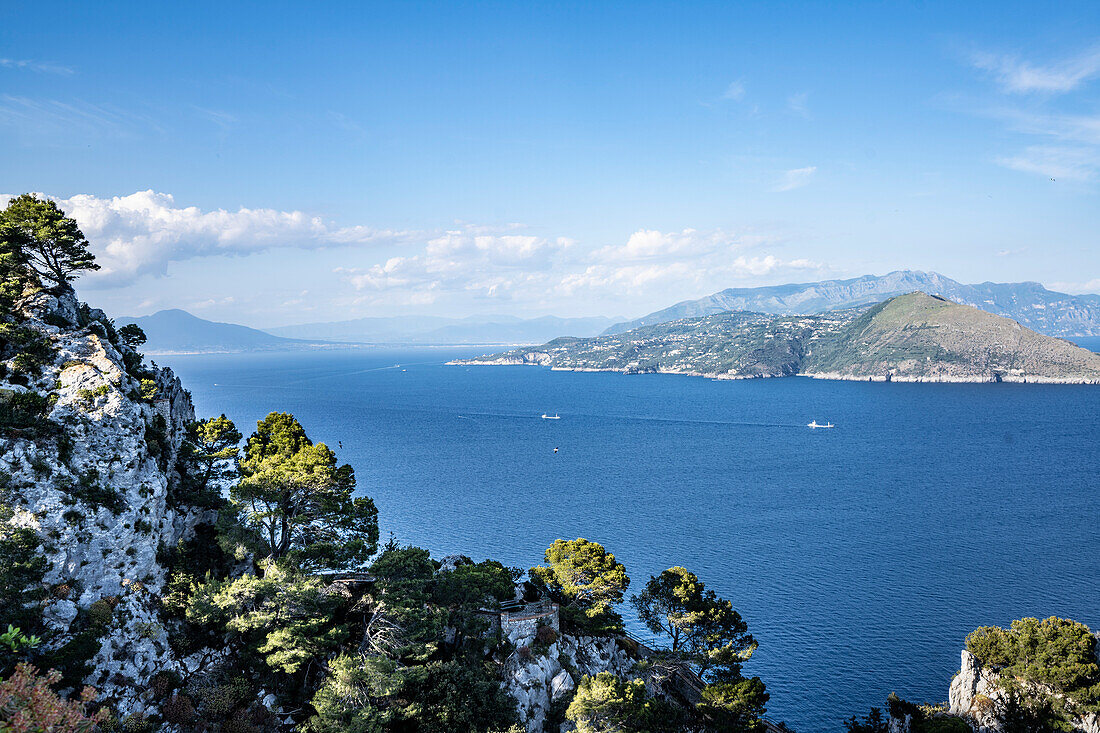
x=272, y=164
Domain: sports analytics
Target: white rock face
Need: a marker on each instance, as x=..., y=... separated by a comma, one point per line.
x=542, y=679
x=975, y=692
x=103, y=551
x=968, y=688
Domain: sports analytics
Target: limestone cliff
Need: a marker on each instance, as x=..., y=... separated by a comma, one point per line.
x=95, y=488
x=539, y=679
x=976, y=692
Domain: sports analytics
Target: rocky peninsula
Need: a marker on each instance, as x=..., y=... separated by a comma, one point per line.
x=909, y=338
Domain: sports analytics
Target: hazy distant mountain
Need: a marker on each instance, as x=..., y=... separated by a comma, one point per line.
x=439, y=330
x=1029, y=303
x=912, y=337
x=177, y=331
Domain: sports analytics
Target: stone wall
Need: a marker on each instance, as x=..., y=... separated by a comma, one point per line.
x=523, y=623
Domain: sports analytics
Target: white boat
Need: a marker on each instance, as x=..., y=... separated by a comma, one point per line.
x=816, y=424
x=551, y=417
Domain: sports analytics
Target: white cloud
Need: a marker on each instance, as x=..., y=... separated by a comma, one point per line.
x=798, y=103
x=1065, y=163
x=651, y=264
x=1070, y=150
x=483, y=265
x=735, y=91
x=1019, y=76
x=138, y=236
x=141, y=233
x=213, y=302
x=704, y=276
x=1080, y=288
x=30, y=65
x=795, y=178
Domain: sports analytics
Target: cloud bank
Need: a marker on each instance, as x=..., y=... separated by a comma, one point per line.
x=136, y=237
x=140, y=234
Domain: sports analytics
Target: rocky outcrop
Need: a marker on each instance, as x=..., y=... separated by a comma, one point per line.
x=976, y=693
x=96, y=492
x=538, y=678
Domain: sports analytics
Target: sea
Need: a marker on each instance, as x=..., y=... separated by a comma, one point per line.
x=860, y=556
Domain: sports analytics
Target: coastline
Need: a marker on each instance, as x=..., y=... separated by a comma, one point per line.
x=830, y=376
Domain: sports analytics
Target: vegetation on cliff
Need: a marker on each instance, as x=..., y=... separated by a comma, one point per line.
x=1048, y=668
x=272, y=607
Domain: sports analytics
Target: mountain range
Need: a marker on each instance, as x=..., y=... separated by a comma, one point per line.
x=495, y=329
x=1029, y=303
x=177, y=331
x=912, y=337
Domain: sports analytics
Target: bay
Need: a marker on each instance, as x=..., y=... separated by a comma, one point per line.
x=859, y=556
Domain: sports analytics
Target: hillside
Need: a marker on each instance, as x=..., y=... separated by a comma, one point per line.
x=494, y=329
x=177, y=331
x=919, y=336
x=1029, y=303
x=914, y=337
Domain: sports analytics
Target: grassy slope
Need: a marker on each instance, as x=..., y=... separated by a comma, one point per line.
x=922, y=336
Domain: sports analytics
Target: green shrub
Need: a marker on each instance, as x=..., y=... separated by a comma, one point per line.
x=73, y=659
x=88, y=396
x=223, y=697
x=177, y=710
x=131, y=360
x=1055, y=652
x=148, y=390
x=89, y=490
x=100, y=613
x=156, y=441
x=23, y=410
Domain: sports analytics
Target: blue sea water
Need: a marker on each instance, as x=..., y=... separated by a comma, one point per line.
x=860, y=556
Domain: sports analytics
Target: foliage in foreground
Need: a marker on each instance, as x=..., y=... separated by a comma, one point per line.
x=705, y=630
x=300, y=502
x=587, y=580
x=28, y=704
x=605, y=703
x=374, y=693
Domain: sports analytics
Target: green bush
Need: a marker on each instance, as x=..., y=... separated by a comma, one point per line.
x=73, y=659
x=156, y=440
x=88, y=396
x=89, y=490
x=100, y=613
x=1055, y=652
x=24, y=410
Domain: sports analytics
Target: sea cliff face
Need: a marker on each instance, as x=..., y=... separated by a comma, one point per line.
x=97, y=493
x=976, y=693
x=543, y=679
